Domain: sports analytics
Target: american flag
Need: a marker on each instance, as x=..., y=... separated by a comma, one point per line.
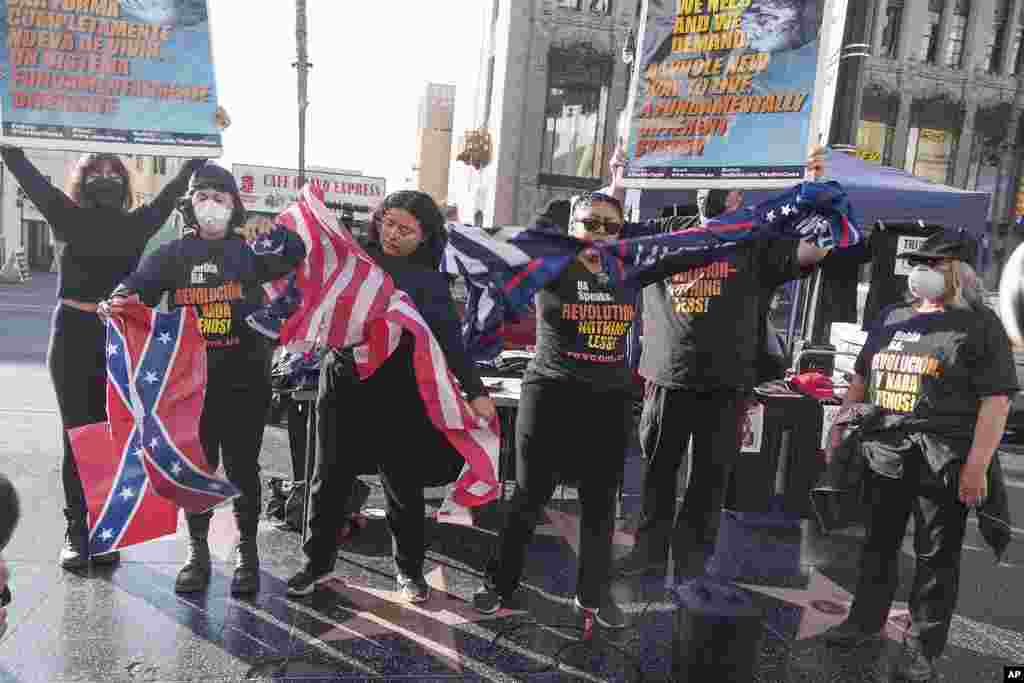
x=502, y=277
x=348, y=301
x=152, y=461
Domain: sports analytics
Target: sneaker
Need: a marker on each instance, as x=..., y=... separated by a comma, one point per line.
x=304, y=583
x=113, y=557
x=487, y=600
x=849, y=634
x=915, y=665
x=608, y=615
x=413, y=590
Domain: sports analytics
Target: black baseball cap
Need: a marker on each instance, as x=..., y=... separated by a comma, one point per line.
x=941, y=245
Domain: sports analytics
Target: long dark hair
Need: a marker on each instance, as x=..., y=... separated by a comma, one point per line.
x=426, y=213
x=88, y=163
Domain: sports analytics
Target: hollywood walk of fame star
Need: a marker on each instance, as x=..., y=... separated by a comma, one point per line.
x=567, y=526
x=825, y=604
x=433, y=625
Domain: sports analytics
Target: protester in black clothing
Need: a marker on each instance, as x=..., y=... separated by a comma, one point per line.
x=105, y=238
x=216, y=270
x=406, y=239
x=942, y=374
x=574, y=413
x=704, y=333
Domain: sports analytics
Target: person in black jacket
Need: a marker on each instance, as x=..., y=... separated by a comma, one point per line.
x=104, y=238
x=406, y=239
x=216, y=270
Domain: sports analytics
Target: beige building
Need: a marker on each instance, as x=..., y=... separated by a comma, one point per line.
x=549, y=87
x=939, y=94
x=434, y=141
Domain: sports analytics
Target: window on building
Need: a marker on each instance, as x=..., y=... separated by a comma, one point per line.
x=1015, y=51
x=877, y=128
x=891, y=32
x=576, y=114
x=930, y=153
x=930, y=38
x=996, y=46
x=602, y=7
x=957, y=34
x=983, y=171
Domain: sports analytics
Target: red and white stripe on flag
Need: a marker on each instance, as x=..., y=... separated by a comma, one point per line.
x=349, y=301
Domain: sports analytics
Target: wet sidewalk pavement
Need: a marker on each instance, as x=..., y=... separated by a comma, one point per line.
x=126, y=624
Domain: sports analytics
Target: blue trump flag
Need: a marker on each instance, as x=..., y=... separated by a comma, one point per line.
x=502, y=277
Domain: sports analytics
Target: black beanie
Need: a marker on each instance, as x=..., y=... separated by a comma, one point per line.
x=210, y=176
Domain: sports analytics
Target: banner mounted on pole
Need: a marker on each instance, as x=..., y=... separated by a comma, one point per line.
x=120, y=76
x=723, y=93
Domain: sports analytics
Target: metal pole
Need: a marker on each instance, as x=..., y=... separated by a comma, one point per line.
x=302, y=65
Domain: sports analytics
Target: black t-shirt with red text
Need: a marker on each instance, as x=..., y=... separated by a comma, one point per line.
x=934, y=368
x=583, y=327
x=222, y=280
x=703, y=327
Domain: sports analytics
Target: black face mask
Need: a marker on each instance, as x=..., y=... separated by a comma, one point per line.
x=105, y=192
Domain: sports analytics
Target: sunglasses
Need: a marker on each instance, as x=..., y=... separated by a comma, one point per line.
x=600, y=227
x=928, y=261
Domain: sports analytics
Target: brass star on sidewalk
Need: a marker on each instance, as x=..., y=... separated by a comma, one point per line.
x=825, y=604
x=567, y=526
x=431, y=625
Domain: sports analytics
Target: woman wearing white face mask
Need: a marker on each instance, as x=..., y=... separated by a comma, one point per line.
x=214, y=268
x=939, y=374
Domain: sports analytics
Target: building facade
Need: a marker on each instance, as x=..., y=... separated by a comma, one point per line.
x=434, y=141
x=938, y=91
x=550, y=85
x=22, y=226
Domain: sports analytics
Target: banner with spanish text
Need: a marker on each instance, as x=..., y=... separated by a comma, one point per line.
x=120, y=76
x=724, y=92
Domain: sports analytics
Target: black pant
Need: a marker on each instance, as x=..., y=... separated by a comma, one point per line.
x=377, y=425
x=78, y=369
x=670, y=418
x=333, y=474
x=231, y=428
x=298, y=426
x=939, y=524
x=565, y=430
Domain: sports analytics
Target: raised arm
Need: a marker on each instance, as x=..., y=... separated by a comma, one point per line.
x=278, y=250
x=55, y=206
x=152, y=216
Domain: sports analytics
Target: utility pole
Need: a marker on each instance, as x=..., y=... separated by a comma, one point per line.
x=303, y=66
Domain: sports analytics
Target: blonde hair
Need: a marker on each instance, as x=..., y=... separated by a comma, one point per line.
x=963, y=287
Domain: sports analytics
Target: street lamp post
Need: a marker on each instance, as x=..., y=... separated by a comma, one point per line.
x=303, y=66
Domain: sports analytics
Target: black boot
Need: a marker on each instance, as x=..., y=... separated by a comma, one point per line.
x=75, y=553
x=246, y=580
x=195, y=574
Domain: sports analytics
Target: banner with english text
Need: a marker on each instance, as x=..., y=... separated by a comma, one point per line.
x=120, y=76
x=723, y=93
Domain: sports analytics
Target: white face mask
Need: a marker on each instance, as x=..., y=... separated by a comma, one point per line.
x=213, y=217
x=926, y=283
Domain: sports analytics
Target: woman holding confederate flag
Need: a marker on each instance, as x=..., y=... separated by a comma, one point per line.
x=104, y=236
x=214, y=268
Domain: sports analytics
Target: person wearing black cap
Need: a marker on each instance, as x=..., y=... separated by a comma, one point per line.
x=382, y=419
x=940, y=375
x=216, y=270
x=105, y=235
